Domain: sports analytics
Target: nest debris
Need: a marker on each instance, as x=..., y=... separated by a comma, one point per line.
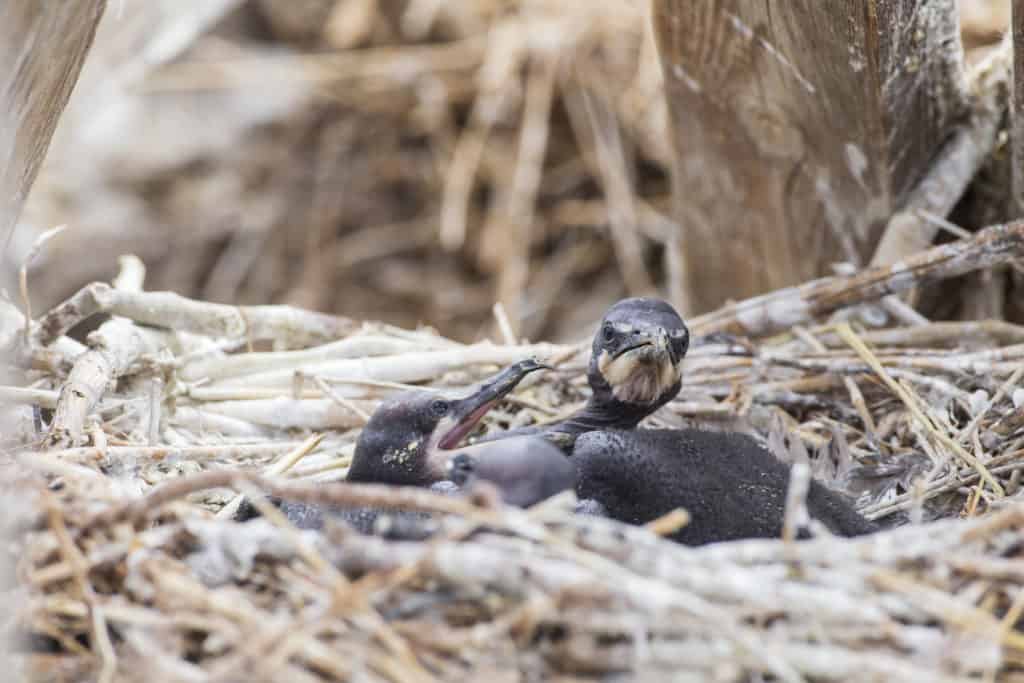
x=129, y=565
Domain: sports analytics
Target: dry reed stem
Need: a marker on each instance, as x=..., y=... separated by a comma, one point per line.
x=286, y=325
x=73, y=557
x=337, y=494
x=466, y=565
x=779, y=310
x=37, y=246
x=510, y=231
x=287, y=461
x=599, y=124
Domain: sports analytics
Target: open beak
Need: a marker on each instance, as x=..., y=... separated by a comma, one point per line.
x=465, y=413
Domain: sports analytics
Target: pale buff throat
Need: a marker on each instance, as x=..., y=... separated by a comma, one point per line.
x=639, y=376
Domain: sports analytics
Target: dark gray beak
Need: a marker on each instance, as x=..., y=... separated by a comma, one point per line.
x=467, y=412
x=654, y=339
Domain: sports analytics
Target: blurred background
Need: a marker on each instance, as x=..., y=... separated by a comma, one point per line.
x=408, y=161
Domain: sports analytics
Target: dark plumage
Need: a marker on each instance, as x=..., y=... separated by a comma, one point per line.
x=731, y=486
x=408, y=442
x=408, y=438
x=634, y=369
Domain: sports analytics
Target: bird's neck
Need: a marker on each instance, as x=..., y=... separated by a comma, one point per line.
x=603, y=411
x=598, y=414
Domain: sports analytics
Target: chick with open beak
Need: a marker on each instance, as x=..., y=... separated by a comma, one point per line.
x=404, y=442
x=408, y=442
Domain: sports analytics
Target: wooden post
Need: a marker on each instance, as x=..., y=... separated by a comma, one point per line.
x=42, y=46
x=1017, y=110
x=799, y=128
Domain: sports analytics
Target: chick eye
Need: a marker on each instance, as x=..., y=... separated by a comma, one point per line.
x=681, y=345
x=608, y=332
x=439, y=407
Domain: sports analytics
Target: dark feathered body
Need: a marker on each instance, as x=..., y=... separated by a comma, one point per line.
x=731, y=486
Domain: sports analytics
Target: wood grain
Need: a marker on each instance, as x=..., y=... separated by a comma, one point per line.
x=799, y=127
x=42, y=46
x=1017, y=104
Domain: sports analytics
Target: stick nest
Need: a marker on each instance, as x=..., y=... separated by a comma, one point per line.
x=129, y=565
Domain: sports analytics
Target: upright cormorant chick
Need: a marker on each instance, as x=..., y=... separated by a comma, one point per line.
x=409, y=441
x=635, y=368
x=731, y=486
x=634, y=364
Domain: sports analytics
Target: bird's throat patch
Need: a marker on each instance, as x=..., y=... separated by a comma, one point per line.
x=639, y=376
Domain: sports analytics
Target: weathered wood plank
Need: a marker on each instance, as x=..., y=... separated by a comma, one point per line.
x=799, y=127
x=42, y=46
x=956, y=163
x=1017, y=114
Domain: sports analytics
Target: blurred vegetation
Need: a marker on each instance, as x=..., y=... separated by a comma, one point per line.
x=411, y=162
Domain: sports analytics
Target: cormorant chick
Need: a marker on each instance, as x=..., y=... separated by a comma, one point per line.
x=731, y=486
x=634, y=369
x=409, y=440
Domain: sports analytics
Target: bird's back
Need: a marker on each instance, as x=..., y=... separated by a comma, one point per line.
x=731, y=486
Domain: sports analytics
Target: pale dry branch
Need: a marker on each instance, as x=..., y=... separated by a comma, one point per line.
x=287, y=326
x=288, y=413
x=356, y=346
x=114, y=348
x=776, y=311
x=407, y=367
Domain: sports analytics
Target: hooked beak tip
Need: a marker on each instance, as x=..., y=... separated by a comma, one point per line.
x=532, y=365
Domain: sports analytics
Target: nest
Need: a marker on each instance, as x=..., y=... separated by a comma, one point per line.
x=129, y=454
